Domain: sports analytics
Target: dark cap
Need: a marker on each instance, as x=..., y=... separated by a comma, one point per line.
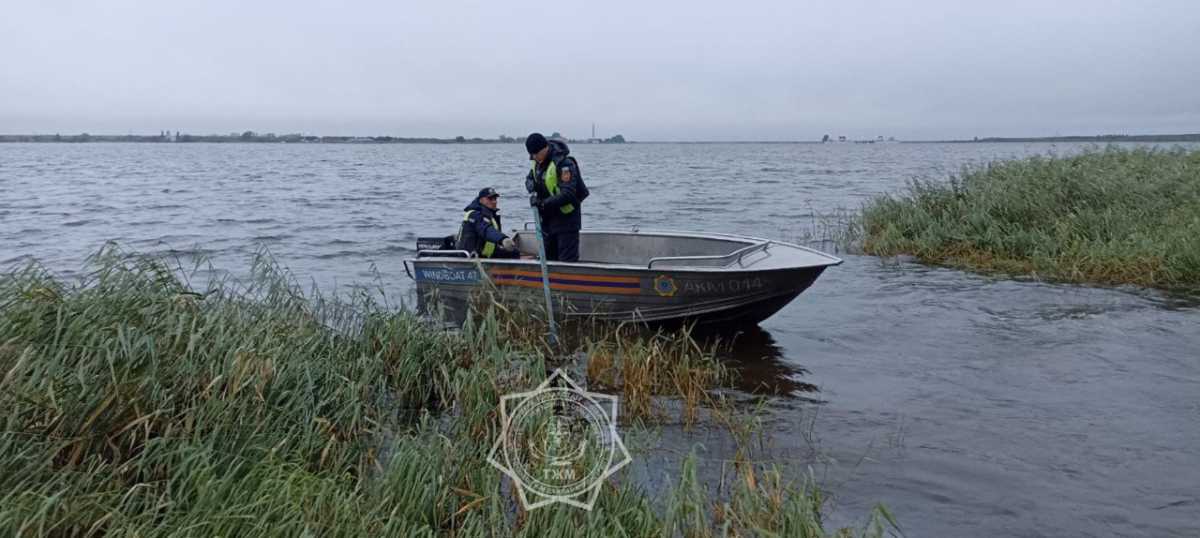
x=535, y=142
x=487, y=192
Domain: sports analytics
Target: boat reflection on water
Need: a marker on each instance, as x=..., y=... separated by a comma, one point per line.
x=759, y=366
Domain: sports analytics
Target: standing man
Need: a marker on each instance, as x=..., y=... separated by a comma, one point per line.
x=557, y=190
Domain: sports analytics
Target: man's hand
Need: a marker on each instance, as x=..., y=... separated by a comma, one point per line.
x=534, y=201
x=508, y=244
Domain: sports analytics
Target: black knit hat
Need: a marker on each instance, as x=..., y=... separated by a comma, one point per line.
x=487, y=192
x=534, y=143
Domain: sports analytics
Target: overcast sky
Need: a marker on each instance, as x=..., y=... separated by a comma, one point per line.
x=731, y=70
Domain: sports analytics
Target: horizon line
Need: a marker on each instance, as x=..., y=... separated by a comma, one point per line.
x=256, y=137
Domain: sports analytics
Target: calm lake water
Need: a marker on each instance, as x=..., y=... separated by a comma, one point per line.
x=969, y=405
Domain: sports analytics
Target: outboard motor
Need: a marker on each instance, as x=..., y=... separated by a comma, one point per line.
x=435, y=243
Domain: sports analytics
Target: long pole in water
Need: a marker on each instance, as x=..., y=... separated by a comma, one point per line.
x=537, y=221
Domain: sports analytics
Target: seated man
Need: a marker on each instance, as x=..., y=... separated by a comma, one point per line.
x=480, y=232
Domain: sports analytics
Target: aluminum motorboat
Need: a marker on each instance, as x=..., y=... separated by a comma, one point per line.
x=648, y=276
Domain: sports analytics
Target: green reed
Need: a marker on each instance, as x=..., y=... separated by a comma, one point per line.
x=1110, y=216
x=133, y=404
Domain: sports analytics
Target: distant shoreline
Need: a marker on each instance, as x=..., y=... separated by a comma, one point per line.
x=250, y=137
x=177, y=138
x=1185, y=137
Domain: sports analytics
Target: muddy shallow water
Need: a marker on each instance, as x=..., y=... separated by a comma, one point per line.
x=969, y=405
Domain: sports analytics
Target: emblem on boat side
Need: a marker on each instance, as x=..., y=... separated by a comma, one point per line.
x=665, y=286
x=558, y=443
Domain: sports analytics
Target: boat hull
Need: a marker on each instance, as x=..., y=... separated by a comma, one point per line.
x=655, y=296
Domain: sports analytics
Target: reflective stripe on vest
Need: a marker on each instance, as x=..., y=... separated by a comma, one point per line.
x=489, y=247
x=551, y=181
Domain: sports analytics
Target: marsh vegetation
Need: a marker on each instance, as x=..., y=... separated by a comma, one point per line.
x=135, y=404
x=1105, y=216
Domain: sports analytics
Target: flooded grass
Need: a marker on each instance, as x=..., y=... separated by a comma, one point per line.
x=641, y=367
x=135, y=405
x=838, y=231
x=1106, y=216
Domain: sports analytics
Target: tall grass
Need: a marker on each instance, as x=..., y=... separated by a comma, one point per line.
x=838, y=230
x=1110, y=216
x=134, y=405
x=641, y=367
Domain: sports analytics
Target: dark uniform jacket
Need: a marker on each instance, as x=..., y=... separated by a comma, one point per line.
x=569, y=192
x=477, y=230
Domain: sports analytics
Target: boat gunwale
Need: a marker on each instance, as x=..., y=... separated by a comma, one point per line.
x=752, y=242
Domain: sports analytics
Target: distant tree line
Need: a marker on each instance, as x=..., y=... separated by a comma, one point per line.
x=272, y=138
x=1185, y=137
